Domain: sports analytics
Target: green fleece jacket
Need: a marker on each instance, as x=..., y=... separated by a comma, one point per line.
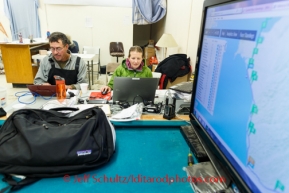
x=123, y=71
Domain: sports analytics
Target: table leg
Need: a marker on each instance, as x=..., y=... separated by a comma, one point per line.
x=92, y=72
x=88, y=74
x=98, y=73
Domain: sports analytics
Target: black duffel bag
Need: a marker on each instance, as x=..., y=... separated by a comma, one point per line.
x=45, y=143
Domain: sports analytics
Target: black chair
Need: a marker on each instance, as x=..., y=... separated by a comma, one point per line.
x=74, y=47
x=116, y=50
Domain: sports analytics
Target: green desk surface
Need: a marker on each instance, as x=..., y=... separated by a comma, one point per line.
x=150, y=156
x=147, y=159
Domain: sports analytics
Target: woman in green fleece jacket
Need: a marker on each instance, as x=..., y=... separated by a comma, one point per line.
x=133, y=66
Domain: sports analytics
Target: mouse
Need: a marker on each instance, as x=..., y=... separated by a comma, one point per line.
x=71, y=94
x=81, y=101
x=104, y=92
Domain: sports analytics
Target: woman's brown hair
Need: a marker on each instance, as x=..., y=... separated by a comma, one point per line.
x=135, y=49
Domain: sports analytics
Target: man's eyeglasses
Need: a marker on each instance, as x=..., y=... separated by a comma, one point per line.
x=56, y=49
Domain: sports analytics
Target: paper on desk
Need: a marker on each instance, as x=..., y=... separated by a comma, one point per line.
x=54, y=104
x=132, y=113
x=67, y=103
x=182, y=95
x=104, y=107
x=125, y=113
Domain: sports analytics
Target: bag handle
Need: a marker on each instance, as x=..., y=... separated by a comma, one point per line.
x=65, y=109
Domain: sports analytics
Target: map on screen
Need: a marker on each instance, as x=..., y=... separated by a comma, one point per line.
x=243, y=90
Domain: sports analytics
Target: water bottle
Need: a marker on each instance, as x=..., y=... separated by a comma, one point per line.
x=60, y=88
x=48, y=34
x=20, y=38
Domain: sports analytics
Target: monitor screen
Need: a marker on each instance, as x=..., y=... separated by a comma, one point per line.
x=240, y=97
x=134, y=90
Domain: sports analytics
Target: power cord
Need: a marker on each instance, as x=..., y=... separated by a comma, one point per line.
x=25, y=93
x=137, y=97
x=177, y=115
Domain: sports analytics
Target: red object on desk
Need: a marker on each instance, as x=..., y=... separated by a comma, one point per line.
x=98, y=95
x=153, y=60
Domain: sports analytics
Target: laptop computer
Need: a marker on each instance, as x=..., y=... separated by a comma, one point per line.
x=43, y=90
x=185, y=87
x=134, y=90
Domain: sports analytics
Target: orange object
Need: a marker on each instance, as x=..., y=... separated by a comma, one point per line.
x=98, y=95
x=153, y=60
x=60, y=88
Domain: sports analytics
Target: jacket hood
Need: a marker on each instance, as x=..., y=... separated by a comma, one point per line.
x=126, y=64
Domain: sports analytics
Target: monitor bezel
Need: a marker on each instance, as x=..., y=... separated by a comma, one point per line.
x=201, y=132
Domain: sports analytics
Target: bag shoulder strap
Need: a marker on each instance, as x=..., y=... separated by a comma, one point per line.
x=15, y=185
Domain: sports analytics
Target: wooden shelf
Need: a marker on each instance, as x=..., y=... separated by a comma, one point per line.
x=18, y=62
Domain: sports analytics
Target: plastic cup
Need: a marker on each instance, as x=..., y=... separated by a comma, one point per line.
x=84, y=52
x=3, y=97
x=84, y=87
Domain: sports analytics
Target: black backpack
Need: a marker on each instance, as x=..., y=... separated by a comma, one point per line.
x=172, y=67
x=45, y=143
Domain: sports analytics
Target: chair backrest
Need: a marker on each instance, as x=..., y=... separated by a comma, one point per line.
x=116, y=49
x=74, y=48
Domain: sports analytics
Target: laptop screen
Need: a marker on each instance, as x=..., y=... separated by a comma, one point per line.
x=134, y=90
x=43, y=90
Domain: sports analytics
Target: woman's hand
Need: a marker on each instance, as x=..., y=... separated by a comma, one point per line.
x=105, y=88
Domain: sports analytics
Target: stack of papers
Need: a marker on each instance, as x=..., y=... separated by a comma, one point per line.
x=132, y=113
x=185, y=96
x=125, y=113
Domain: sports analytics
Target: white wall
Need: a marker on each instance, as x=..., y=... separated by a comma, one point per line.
x=5, y=23
x=113, y=3
x=90, y=25
x=194, y=31
x=114, y=24
x=183, y=22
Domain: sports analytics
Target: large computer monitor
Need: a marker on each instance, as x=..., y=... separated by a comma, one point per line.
x=240, y=99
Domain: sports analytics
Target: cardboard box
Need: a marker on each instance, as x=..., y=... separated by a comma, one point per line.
x=180, y=79
x=154, y=67
x=151, y=42
x=149, y=52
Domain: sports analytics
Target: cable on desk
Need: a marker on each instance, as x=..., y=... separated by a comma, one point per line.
x=177, y=115
x=27, y=93
x=135, y=98
x=115, y=108
x=190, y=159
